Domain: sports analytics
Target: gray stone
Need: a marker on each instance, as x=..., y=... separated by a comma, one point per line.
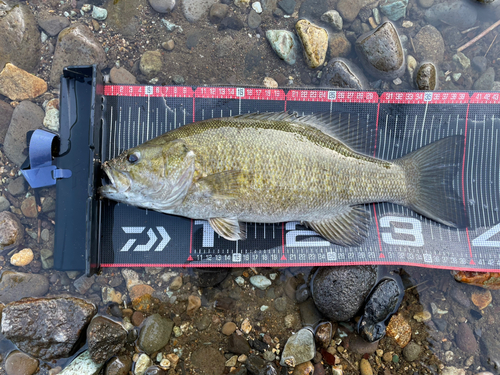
x=11, y=231
x=162, y=6
x=76, y=45
x=254, y=20
x=20, y=43
x=48, y=205
x=339, y=292
x=52, y=24
x=178, y=79
x=260, y=281
x=429, y=45
x=155, y=333
x=17, y=186
x=151, y=63
x=480, y=63
x=280, y=304
x=232, y=23
x=309, y=314
x=195, y=9
x=6, y=111
x=83, y=283
x=193, y=38
x=4, y=204
x=461, y=14
x=381, y=52
x=412, y=351
x=333, y=18
x=121, y=76
x=426, y=3
x=124, y=16
x=285, y=44
x=17, y=285
x=313, y=9
x=288, y=6
x=342, y=73
x=393, y=9
x=490, y=349
x=46, y=328
x=26, y=116
x=18, y=363
x=298, y=349
x=105, y=338
x=485, y=81
x=218, y=12
x=82, y=365
x=225, y=46
x=99, y=14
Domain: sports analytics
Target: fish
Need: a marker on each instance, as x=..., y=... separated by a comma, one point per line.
x=281, y=167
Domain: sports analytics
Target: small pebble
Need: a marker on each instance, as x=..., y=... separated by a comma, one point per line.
x=257, y=7
x=99, y=14
x=169, y=45
x=365, y=368
x=22, y=258
x=228, y=328
x=246, y=327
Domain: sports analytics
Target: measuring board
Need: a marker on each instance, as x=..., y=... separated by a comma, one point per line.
x=390, y=125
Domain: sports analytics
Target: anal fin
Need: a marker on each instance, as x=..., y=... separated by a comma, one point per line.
x=228, y=228
x=349, y=227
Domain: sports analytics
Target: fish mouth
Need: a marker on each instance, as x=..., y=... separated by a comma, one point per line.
x=112, y=182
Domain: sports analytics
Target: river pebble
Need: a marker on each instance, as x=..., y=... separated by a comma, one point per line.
x=155, y=333
x=298, y=349
x=162, y=6
x=218, y=12
x=260, y=281
x=426, y=77
x=333, y=18
x=314, y=41
x=18, y=363
x=17, y=84
x=465, y=338
x=342, y=73
x=284, y=43
x=485, y=81
x=193, y=10
x=22, y=258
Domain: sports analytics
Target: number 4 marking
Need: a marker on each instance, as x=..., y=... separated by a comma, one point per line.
x=484, y=239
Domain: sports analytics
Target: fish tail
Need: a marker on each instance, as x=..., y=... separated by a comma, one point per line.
x=434, y=180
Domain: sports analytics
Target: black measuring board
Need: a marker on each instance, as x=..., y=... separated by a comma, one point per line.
x=389, y=126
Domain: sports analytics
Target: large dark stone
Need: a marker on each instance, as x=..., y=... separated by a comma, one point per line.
x=17, y=285
x=46, y=328
x=382, y=303
x=20, y=39
x=238, y=344
x=339, y=292
x=381, y=52
x=105, y=338
x=490, y=350
x=155, y=333
x=343, y=74
x=207, y=277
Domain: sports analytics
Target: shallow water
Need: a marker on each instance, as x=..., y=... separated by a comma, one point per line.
x=205, y=55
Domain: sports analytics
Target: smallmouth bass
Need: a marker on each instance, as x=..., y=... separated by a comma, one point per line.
x=277, y=167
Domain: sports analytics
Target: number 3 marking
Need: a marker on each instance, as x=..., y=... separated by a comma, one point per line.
x=415, y=231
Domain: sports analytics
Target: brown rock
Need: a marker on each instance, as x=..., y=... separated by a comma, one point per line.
x=105, y=338
x=18, y=84
x=22, y=258
x=11, y=231
x=18, y=363
x=138, y=291
x=28, y=207
x=121, y=76
x=465, y=339
x=305, y=368
x=137, y=318
x=399, y=329
x=141, y=296
x=487, y=280
x=481, y=298
x=228, y=328
x=194, y=303
x=315, y=42
x=338, y=45
x=365, y=368
x=429, y=45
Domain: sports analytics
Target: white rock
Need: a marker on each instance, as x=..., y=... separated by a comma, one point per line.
x=82, y=365
x=260, y=282
x=270, y=83
x=99, y=14
x=450, y=370
x=142, y=364
x=257, y=7
x=194, y=9
x=131, y=278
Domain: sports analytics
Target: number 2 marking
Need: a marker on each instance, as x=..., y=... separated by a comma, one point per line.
x=291, y=237
x=415, y=231
x=484, y=239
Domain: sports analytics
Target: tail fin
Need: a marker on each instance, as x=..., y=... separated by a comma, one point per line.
x=433, y=176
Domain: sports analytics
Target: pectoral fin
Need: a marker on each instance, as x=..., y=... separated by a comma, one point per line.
x=228, y=228
x=349, y=227
x=224, y=185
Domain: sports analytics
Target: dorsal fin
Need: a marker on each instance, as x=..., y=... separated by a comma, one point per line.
x=343, y=126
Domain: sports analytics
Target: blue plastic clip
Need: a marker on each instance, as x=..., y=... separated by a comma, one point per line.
x=41, y=171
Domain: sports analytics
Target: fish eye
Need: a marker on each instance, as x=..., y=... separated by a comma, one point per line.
x=133, y=158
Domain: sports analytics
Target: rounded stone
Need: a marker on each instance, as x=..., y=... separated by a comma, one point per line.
x=99, y=14
x=399, y=329
x=426, y=77
x=22, y=258
x=17, y=285
x=20, y=43
x=480, y=63
x=218, y=12
x=338, y=45
x=142, y=364
x=465, y=339
x=151, y=63
x=162, y=6
x=429, y=45
x=381, y=52
x=426, y=3
x=284, y=43
x=29, y=208
x=412, y=351
x=228, y=328
x=11, y=231
x=342, y=73
x=260, y=281
x=306, y=368
x=194, y=303
x=314, y=40
x=194, y=9
x=365, y=368
x=155, y=333
x=339, y=292
x=485, y=81
x=18, y=363
x=254, y=20
x=168, y=45
x=120, y=365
